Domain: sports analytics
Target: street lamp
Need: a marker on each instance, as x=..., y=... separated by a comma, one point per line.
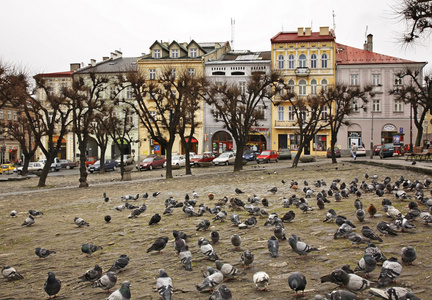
x=371, y=143
x=411, y=145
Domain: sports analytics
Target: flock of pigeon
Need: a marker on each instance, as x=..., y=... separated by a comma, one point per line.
x=217, y=276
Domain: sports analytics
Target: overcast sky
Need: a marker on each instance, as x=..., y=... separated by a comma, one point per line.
x=47, y=35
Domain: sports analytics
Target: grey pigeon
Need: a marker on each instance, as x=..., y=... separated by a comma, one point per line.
x=80, y=222
x=396, y=292
x=180, y=234
x=120, y=263
x=360, y=214
x=179, y=243
x=11, y=274
x=43, y=253
x=235, y=219
x=366, y=264
x=186, y=258
x=403, y=224
x=155, y=219
x=300, y=247
x=158, y=244
x=236, y=241
x=279, y=232
x=106, y=282
x=203, y=225
x=90, y=248
x=13, y=213
x=213, y=278
x=91, y=274
x=35, y=212
x=221, y=216
x=376, y=252
x=331, y=215
x=356, y=238
x=207, y=249
x=164, y=285
x=226, y=269
x=247, y=258
x=214, y=235
x=297, y=282
x=223, y=293
x=386, y=228
x=189, y=211
x=52, y=285
x=261, y=280
x=341, y=295
x=123, y=293
x=273, y=246
x=352, y=282
x=130, y=197
x=390, y=271
x=370, y=234
x=408, y=255
x=358, y=204
x=29, y=221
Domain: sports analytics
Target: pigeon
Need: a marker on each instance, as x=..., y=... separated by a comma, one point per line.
x=130, y=197
x=360, y=215
x=226, y=269
x=390, y=271
x=90, y=248
x=43, y=253
x=213, y=278
x=52, y=285
x=11, y=274
x=386, y=228
x=236, y=241
x=164, y=285
x=408, y=255
x=203, y=225
x=403, y=224
x=130, y=206
x=221, y=216
x=395, y=292
x=214, y=235
x=155, y=219
x=120, y=207
x=238, y=191
x=155, y=194
x=372, y=210
x=265, y=202
x=106, y=282
x=330, y=215
x=235, y=219
x=145, y=195
x=426, y=217
x=352, y=282
x=370, y=234
x=158, y=244
x=29, y=221
x=91, y=274
x=356, y=238
x=376, y=252
x=186, y=258
x=195, y=195
x=248, y=223
x=207, y=249
x=261, y=280
x=223, y=293
x=35, y=212
x=189, y=211
x=300, y=247
x=13, y=213
x=273, y=190
x=119, y=264
x=107, y=218
x=366, y=264
x=123, y=293
x=273, y=246
x=358, y=204
x=297, y=282
x=305, y=208
x=105, y=197
x=247, y=259
x=341, y=295
x=393, y=212
x=80, y=222
x=279, y=232
x=288, y=217
x=180, y=234
x=179, y=243
x=343, y=230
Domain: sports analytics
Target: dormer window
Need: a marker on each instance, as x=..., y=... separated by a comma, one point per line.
x=193, y=52
x=174, y=53
x=157, y=53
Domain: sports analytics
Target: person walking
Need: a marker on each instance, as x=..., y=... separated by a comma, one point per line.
x=354, y=150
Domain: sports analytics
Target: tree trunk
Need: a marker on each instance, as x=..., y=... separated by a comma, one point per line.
x=332, y=145
x=238, y=164
x=419, y=136
x=26, y=162
x=82, y=167
x=297, y=156
x=168, y=173
x=45, y=171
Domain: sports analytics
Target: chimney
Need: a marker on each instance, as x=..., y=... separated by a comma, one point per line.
x=324, y=30
x=368, y=45
x=300, y=31
x=119, y=54
x=75, y=66
x=308, y=31
x=105, y=58
x=93, y=62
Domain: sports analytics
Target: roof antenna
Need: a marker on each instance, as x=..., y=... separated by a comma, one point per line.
x=334, y=22
x=366, y=33
x=232, y=33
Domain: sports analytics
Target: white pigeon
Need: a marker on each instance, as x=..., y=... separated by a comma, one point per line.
x=261, y=280
x=164, y=285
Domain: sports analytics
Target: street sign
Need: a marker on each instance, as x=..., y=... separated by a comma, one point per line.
x=400, y=129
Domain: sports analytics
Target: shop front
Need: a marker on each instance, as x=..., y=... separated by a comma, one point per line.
x=222, y=141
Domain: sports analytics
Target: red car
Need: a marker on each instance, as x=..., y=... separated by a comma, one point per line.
x=267, y=156
x=152, y=162
x=200, y=159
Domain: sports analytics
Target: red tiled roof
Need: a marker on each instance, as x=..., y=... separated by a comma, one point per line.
x=293, y=37
x=57, y=74
x=346, y=55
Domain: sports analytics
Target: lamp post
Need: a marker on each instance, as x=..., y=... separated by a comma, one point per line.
x=371, y=143
x=411, y=145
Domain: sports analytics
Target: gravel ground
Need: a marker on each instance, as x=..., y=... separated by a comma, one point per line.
x=61, y=201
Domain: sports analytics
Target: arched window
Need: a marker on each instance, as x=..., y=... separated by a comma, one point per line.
x=313, y=61
x=291, y=85
x=291, y=61
x=324, y=84
x=280, y=62
x=324, y=58
x=302, y=61
x=302, y=87
x=313, y=87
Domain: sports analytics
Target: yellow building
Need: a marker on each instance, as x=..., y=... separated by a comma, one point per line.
x=306, y=62
x=178, y=57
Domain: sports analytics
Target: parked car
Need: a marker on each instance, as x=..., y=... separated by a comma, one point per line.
x=91, y=160
x=178, y=161
x=336, y=150
x=7, y=168
x=386, y=151
x=225, y=158
x=377, y=149
x=150, y=163
x=250, y=155
x=109, y=164
x=200, y=159
x=361, y=151
x=127, y=159
x=55, y=166
x=68, y=164
x=33, y=167
x=284, y=153
x=268, y=156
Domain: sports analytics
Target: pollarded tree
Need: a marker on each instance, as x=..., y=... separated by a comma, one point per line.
x=100, y=133
x=417, y=15
x=238, y=109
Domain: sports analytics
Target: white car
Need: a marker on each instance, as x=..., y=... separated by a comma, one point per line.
x=226, y=158
x=361, y=151
x=178, y=161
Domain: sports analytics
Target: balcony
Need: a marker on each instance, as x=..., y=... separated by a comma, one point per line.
x=302, y=71
x=285, y=124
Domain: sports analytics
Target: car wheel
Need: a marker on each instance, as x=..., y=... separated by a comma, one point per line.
x=68, y=167
x=91, y=172
x=258, y=162
x=114, y=168
x=151, y=167
x=53, y=169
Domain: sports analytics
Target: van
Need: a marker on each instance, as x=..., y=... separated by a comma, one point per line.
x=55, y=166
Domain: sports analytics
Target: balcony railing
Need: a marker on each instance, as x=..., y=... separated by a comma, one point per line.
x=302, y=71
x=285, y=124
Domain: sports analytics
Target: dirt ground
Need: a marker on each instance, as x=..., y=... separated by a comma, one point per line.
x=61, y=201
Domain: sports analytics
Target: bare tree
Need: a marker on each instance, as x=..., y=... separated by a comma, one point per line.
x=14, y=84
x=417, y=15
x=237, y=109
x=100, y=132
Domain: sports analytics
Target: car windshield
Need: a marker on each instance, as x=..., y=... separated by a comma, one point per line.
x=225, y=155
x=148, y=159
x=284, y=150
x=198, y=156
x=265, y=153
x=247, y=152
x=175, y=158
x=97, y=162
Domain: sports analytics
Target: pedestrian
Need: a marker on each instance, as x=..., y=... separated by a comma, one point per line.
x=354, y=150
x=427, y=144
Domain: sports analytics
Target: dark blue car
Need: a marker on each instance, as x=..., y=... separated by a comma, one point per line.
x=109, y=164
x=249, y=155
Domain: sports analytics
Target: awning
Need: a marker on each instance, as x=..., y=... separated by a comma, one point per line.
x=193, y=140
x=13, y=149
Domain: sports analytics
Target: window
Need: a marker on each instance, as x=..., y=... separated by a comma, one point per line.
x=302, y=87
x=354, y=105
x=313, y=61
x=376, y=79
x=324, y=84
x=302, y=115
x=280, y=113
x=130, y=93
x=397, y=80
x=354, y=79
x=291, y=85
x=376, y=105
x=262, y=110
x=173, y=73
x=15, y=115
x=280, y=62
x=302, y=61
x=112, y=92
x=398, y=106
x=152, y=115
x=242, y=87
x=9, y=115
x=291, y=113
x=320, y=144
x=313, y=87
x=324, y=113
x=152, y=73
x=291, y=61
x=1, y=114
x=157, y=53
x=191, y=72
x=294, y=141
x=324, y=58
x=174, y=53
x=193, y=52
